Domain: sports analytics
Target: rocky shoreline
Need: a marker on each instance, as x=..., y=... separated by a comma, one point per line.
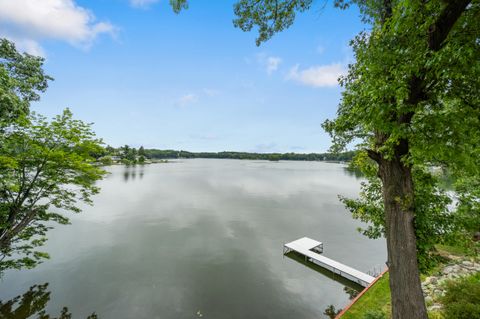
x=434, y=286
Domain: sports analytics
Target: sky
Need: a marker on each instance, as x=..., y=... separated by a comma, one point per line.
x=146, y=76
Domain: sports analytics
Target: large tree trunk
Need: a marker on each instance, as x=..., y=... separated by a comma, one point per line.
x=398, y=195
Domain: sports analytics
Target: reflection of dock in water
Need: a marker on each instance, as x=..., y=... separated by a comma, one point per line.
x=327, y=273
x=311, y=251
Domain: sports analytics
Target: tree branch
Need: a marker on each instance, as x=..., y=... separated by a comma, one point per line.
x=439, y=31
x=374, y=155
x=437, y=34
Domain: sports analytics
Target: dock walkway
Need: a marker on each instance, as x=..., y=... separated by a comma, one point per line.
x=308, y=247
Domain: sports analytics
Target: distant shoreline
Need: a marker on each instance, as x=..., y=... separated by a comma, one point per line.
x=130, y=155
x=155, y=154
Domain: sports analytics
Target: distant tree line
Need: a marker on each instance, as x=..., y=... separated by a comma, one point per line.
x=125, y=154
x=131, y=155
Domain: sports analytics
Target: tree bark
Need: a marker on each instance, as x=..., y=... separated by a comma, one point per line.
x=398, y=195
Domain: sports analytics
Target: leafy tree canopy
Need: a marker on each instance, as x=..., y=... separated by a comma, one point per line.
x=45, y=169
x=21, y=80
x=408, y=82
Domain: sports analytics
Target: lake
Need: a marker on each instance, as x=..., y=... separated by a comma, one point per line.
x=202, y=238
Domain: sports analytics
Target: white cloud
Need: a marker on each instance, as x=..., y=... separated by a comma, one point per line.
x=186, y=99
x=29, y=21
x=27, y=45
x=273, y=63
x=317, y=76
x=142, y=3
x=193, y=97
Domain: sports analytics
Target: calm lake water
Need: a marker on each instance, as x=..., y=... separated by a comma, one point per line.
x=202, y=238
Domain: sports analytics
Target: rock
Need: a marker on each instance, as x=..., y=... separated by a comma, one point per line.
x=435, y=307
x=447, y=270
x=430, y=281
x=476, y=236
x=428, y=300
x=434, y=286
x=437, y=292
x=453, y=275
x=442, y=281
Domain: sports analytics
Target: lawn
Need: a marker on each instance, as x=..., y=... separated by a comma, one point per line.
x=377, y=298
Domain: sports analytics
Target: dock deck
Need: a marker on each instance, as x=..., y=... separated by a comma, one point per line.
x=307, y=246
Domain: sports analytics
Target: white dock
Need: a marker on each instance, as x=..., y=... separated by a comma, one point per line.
x=308, y=247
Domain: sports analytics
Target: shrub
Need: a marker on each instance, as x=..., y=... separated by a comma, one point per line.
x=374, y=314
x=462, y=298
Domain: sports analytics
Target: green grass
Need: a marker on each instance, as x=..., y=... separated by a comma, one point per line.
x=452, y=250
x=376, y=298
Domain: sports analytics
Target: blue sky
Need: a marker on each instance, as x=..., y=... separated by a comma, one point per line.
x=192, y=81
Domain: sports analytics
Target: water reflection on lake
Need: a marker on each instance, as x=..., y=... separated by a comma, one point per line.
x=130, y=172
x=354, y=172
x=32, y=304
x=203, y=238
